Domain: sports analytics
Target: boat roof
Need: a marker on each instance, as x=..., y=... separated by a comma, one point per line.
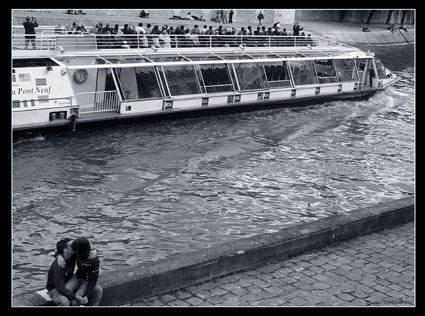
x=146, y=57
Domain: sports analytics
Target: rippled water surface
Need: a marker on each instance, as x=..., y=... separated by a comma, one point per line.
x=142, y=192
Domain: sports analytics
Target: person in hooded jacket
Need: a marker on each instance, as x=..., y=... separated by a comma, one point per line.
x=88, y=264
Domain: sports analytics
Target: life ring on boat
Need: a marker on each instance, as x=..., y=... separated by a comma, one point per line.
x=81, y=75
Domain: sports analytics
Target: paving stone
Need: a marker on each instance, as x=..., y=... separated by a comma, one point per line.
x=358, y=302
x=194, y=301
x=182, y=295
x=180, y=303
x=167, y=298
x=346, y=297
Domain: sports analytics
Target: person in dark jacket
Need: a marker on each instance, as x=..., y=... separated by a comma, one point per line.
x=30, y=24
x=260, y=18
x=231, y=16
x=297, y=29
x=60, y=274
x=88, y=271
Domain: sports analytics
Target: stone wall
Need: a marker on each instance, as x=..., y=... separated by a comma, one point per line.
x=241, y=16
x=355, y=16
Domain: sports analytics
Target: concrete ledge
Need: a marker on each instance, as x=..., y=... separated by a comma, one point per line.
x=182, y=270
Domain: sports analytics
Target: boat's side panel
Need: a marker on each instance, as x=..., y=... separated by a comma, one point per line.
x=329, y=89
x=280, y=94
x=348, y=86
x=141, y=106
x=217, y=100
x=303, y=92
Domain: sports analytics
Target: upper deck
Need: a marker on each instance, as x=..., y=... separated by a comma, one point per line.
x=53, y=44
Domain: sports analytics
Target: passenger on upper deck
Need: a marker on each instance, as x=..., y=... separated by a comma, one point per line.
x=144, y=14
x=260, y=18
x=30, y=24
x=297, y=29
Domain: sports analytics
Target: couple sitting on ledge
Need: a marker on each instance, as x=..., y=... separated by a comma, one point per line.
x=64, y=288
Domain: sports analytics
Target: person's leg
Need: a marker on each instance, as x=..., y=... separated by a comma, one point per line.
x=26, y=43
x=33, y=43
x=96, y=296
x=82, y=287
x=72, y=285
x=58, y=298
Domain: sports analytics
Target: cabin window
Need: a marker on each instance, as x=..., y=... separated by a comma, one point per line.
x=361, y=66
x=182, y=80
x=16, y=104
x=138, y=83
x=43, y=98
x=25, y=103
x=346, y=70
x=216, y=78
x=277, y=74
x=380, y=69
x=325, y=71
x=41, y=82
x=302, y=72
x=33, y=62
x=24, y=77
x=251, y=76
x=13, y=78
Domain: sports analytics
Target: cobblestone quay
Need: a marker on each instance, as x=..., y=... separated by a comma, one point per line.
x=371, y=270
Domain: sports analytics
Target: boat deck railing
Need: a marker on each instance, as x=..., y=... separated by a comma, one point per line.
x=76, y=42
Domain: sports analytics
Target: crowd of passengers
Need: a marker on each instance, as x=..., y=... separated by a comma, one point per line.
x=183, y=36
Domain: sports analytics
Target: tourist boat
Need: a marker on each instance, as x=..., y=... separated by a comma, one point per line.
x=74, y=79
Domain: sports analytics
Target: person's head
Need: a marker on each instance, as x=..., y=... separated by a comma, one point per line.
x=28, y=19
x=258, y=28
x=81, y=246
x=63, y=248
x=117, y=26
x=296, y=23
x=195, y=26
x=210, y=27
x=148, y=25
x=107, y=25
x=269, y=29
x=205, y=26
x=284, y=30
x=263, y=27
x=125, y=26
x=220, y=27
x=140, y=24
x=302, y=33
x=249, y=27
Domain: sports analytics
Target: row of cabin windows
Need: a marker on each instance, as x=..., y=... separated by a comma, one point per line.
x=25, y=77
x=27, y=103
x=33, y=62
x=141, y=82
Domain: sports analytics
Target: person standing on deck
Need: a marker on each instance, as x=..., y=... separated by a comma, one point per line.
x=30, y=24
x=297, y=29
x=260, y=18
x=231, y=16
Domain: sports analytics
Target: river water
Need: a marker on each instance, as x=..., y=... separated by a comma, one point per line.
x=142, y=192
